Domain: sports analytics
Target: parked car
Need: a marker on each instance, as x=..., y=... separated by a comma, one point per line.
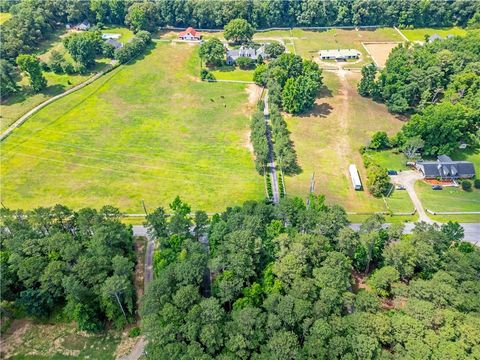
x=437, y=187
x=392, y=172
x=400, y=187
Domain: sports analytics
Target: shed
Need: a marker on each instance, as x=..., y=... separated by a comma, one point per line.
x=116, y=44
x=357, y=184
x=434, y=37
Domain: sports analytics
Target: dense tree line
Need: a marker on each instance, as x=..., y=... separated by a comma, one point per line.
x=438, y=83
x=282, y=287
x=134, y=48
x=81, y=262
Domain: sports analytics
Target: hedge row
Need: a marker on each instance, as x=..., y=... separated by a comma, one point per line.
x=283, y=147
x=134, y=48
x=258, y=138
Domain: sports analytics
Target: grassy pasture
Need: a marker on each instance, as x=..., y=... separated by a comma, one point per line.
x=20, y=103
x=419, y=34
x=149, y=131
x=328, y=138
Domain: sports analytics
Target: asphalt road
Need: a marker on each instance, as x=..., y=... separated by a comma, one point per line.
x=472, y=231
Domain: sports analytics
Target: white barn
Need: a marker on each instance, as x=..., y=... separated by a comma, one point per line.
x=357, y=184
x=340, y=54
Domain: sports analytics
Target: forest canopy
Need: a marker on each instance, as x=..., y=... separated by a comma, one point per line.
x=295, y=282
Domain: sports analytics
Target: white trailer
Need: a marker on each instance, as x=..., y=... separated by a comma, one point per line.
x=357, y=184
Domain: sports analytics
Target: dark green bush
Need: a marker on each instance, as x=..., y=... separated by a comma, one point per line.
x=476, y=183
x=466, y=185
x=134, y=332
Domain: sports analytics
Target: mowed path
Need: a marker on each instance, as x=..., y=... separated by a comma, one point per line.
x=149, y=131
x=328, y=139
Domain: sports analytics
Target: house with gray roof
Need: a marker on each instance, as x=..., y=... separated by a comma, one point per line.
x=446, y=168
x=245, y=51
x=434, y=37
x=116, y=44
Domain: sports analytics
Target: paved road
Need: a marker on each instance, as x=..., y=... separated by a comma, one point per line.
x=140, y=230
x=21, y=120
x=271, y=164
x=472, y=231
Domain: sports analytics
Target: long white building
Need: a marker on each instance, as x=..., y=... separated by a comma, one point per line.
x=357, y=184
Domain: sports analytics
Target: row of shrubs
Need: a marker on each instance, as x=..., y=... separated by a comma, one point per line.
x=283, y=146
x=467, y=184
x=258, y=138
x=268, y=180
x=281, y=186
x=134, y=48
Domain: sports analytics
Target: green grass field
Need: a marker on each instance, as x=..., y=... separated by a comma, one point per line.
x=449, y=199
x=419, y=34
x=327, y=140
x=149, y=131
x=20, y=103
x=307, y=43
x=232, y=73
x=4, y=16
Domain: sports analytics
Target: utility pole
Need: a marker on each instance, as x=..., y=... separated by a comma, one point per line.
x=312, y=188
x=144, y=207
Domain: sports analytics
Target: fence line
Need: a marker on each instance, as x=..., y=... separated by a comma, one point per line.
x=452, y=212
x=349, y=27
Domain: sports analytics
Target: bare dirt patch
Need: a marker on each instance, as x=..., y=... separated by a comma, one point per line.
x=380, y=51
x=254, y=93
x=13, y=337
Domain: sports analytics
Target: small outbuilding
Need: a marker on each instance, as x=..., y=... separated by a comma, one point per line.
x=339, y=54
x=446, y=168
x=106, y=36
x=190, y=34
x=357, y=184
x=434, y=37
x=83, y=26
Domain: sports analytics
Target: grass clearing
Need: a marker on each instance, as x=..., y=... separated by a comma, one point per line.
x=389, y=160
x=28, y=340
x=328, y=139
x=150, y=130
x=420, y=33
x=4, y=16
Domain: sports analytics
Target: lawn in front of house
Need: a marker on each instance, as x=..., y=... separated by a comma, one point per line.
x=148, y=130
x=228, y=72
x=420, y=33
x=328, y=139
x=448, y=199
x=389, y=160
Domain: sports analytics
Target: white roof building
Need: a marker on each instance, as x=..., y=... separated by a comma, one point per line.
x=357, y=184
x=339, y=54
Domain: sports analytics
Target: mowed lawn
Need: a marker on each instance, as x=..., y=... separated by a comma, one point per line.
x=419, y=34
x=327, y=141
x=307, y=43
x=150, y=130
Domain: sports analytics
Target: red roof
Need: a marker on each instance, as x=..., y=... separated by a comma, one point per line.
x=190, y=30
